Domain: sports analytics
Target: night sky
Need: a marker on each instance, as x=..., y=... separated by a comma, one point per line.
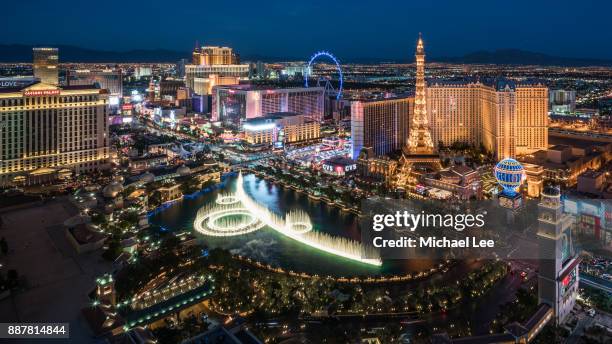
x=291, y=28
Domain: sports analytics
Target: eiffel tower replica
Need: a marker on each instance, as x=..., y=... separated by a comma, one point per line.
x=419, y=154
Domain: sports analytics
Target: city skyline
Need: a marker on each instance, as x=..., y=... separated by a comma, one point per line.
x=167, y=176
x=355, y=31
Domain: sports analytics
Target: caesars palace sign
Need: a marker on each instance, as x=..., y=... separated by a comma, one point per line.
x=38, y=93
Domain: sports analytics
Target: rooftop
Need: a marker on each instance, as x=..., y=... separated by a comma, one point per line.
x=559, y=147
x=382, y=99
x=498, y=84
x=20, y=87
x=574, y=142
x=271, y=117
x=270, y=88
x=591, y=174
x=339, y=160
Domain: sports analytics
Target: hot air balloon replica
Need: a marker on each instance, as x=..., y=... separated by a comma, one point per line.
x=510, y=175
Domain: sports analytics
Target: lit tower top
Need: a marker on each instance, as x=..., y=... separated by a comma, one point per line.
x=419, y=141
x=420, y=48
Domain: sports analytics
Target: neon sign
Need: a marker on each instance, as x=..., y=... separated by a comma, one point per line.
x=38, y=93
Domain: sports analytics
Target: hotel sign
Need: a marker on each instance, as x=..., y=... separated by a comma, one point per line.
x=39, y=93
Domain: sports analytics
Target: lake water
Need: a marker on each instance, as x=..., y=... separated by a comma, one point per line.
x=270, y=247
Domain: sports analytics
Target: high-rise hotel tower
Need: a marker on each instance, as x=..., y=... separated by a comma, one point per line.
x=558, y=271
x=380, y=124
x=46, y=130
x=508, y=117
x=45, y=66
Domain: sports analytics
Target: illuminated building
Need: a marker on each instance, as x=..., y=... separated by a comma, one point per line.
x=140, y=164
x=462, y=181
x=339, y=166
x=593, y=218
x=280, y=129
x=591, y=182
x=562, y=101
x=558, y=268
x=170, y=193
x=237, y=103
x=168, y=88
x=169, y=115
x=220, y=71
x=142, y=71
x=563, y=163
x=296, y=71
x=535, y=179
x=214, y=66
x=105, y=291
x=109, y=79
x=212, y=56
x=418, y=153
x=48, y=129
x=204, y=86
x=381, y=125
x=180, y=68
x=507, y=117
x=45, y=65
x=373, y=169
x=420, y=142
x=17, y=81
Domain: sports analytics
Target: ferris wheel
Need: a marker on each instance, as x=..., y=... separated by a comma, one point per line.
x=328, y=86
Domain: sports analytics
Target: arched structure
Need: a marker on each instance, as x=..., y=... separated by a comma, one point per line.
x=335, y=60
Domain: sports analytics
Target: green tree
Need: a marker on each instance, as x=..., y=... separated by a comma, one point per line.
x=113, y=251
x=98, y=218
x=190, y=185
x=168, y=335
x=155, y=199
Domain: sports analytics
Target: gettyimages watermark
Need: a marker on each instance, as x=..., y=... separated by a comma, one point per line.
x=411, y=229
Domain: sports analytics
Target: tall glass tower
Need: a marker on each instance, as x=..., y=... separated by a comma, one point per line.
x=45, y=65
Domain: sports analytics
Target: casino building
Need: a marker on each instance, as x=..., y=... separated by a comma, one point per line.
x=47, y=131
x=235, y=104
x=45, y=64
x=211, y=66
x=380, y=124
x=108, y=79
x=507, y=117
x=281, y=129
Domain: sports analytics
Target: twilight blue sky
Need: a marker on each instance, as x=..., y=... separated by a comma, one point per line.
x=291, y=28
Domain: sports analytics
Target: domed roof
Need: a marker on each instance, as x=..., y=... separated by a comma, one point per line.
x=112, y=190
x=183, y=170
x=147, y=177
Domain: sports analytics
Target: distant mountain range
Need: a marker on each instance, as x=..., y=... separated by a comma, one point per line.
x=68, y=53
x=522, y=57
